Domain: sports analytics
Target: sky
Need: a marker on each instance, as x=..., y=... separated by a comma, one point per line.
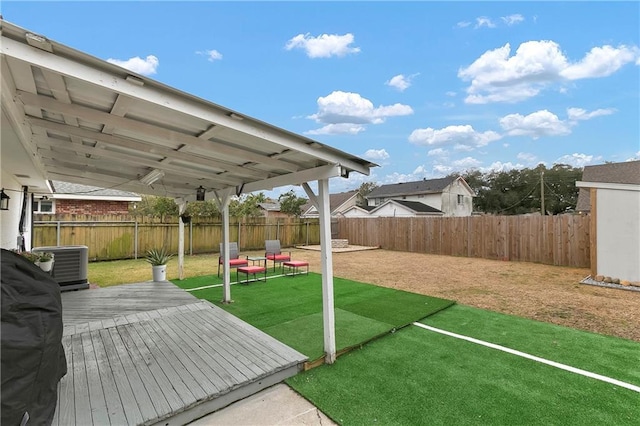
x=423, y=89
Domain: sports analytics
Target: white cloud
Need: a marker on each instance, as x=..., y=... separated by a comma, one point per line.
x=401, y=82
x=499, y=166
x=442, y=169
x=466, y=163
x=483, y=21
x=498, y=76
x=526, y=157
x=462, y=147
x=577, y=160
x=635, y=157
x=419, y=173
x=537, y=124
x=463, y=24
x=601, y=62
x=147, y=66
x=323, y=46
x=338, y=129
x=576, y=114
x=376, y=154
x=437, y=152
x=510, y=20
x=351, y=111
x=212, y=55
x=450, y=93
x=452, y=135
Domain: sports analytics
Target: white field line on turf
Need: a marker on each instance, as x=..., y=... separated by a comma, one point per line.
x=220, y=285
x=533, y=357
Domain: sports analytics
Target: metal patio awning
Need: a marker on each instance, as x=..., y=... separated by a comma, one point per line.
x=87, y=121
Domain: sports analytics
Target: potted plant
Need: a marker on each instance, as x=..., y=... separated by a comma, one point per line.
x=158, y=259
x=45, y=261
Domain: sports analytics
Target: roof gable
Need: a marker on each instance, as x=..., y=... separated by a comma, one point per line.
x=335, y=201
x=418, y=187
x=414, y=206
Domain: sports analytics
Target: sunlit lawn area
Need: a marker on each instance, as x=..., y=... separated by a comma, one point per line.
x=106, y=274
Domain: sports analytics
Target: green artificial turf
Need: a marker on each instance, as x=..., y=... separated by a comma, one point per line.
x=415, y=376
x=350, y=329
x=290, y=309
x=605, y=355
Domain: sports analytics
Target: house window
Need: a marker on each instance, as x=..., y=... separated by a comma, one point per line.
x=460, y=198
x=43, y=205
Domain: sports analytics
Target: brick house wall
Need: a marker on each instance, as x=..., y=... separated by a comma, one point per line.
x=92, y=207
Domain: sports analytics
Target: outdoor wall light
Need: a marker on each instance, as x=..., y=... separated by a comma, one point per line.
x=4, y=200
x=200, y=193
x=152, y=176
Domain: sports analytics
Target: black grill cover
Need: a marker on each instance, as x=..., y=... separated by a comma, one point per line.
x=33, y=360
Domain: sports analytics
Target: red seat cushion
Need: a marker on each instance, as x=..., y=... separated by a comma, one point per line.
x=281, y=257
x=251, y=269
x=296, y=263
x=235, y=262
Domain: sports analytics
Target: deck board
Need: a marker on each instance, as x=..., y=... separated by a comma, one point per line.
x=151, y=353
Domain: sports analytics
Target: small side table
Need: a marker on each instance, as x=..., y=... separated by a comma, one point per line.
x=254, y=259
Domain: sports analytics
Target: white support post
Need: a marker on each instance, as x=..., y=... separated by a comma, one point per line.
x=326, y=259
x=222, y=199
x=182, y=207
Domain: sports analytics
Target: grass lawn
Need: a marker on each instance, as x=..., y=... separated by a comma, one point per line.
x=416, y=376
x=290, y=309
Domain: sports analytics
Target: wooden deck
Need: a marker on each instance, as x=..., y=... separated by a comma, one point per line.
x=151, y=353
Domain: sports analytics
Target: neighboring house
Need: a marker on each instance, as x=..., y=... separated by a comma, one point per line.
x=72, y=198
x=611, y=194
x=338, y=204
x=271, y=210
x=404, y=208
x=451, y=196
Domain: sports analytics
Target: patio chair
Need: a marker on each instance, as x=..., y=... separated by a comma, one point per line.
x=274, y=253
x=234, y=258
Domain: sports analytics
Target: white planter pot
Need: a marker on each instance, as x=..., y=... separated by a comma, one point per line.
x=159, y=273
x=46, y=266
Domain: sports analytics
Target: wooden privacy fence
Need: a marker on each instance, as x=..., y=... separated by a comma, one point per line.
x=125, y=237
x=555, y=240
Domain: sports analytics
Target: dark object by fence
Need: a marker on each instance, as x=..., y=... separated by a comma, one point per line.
x=33, y=359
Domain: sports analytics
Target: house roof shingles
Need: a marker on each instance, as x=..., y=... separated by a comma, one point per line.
x=407, y=188
x=60, y=187
x=626, y=173
x=418, y=207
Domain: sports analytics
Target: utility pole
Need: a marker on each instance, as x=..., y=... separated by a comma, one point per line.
x=542, y=210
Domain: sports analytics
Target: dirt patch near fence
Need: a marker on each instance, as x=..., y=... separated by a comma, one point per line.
x=540, y=292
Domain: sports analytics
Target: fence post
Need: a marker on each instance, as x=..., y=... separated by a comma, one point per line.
x=135, y=239
x=307, y=223
x=58, y=233
x=277, y=229
x=239, y=227
x=190, y=238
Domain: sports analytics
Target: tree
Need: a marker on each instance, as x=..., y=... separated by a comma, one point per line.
x=291, y=204
x=364, y=190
